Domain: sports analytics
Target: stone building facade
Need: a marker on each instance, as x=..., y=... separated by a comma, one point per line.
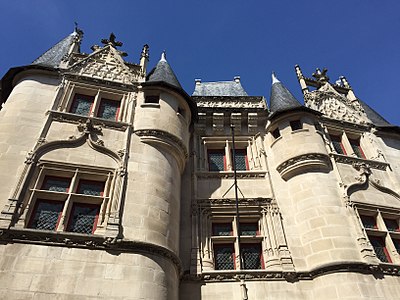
x=123, y=186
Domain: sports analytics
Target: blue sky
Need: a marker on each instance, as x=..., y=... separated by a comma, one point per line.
x=217, y=40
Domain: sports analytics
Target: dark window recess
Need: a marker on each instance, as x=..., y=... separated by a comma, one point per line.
x=108, y=109
x=181, y=111
x=82, y=105
x=397, y=245
x=216, y=160
x=276, y=133
x=46, y=214
x=92, y=188
x=224, y=257
x=337, y=144
x=241, y=163
x=318, y=127
x=296, y=125
x=355, y=145
x=152, y=99
x=369, y=222
x=380, y=249
x=56, y=184
x=249, y=229
x=222, y=229
x=251, y=254
x=83, y=218
x=392, y=224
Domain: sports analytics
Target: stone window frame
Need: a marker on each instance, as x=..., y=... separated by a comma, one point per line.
x=347, y=140
x=77, y=174
x=98, y=94
x=224, y=145
x=232, y=240
x=276, y=256
x=380, y=231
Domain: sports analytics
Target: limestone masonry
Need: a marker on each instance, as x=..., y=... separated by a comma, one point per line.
x=117, y=184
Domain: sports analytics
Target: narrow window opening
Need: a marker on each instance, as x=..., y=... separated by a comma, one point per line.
x=276, y=133
x=355, y=145
x=296, y=125
x=152, y=99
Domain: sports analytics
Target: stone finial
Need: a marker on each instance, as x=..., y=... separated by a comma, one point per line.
x=236, y=79
x=163, y=56
x=344, y=81
x=144, y=57
x=111, y=41
x=274, y=78
x=299, y=73
x=145, y=51
x=321, y=75
x=197, y=81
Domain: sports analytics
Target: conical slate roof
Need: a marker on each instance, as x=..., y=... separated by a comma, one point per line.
x=281, y=98
x=373, y=116
x=162, y=72
x=53, y=56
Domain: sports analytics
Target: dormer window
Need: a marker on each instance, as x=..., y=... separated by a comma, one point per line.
x=108, y=109
x=82, y=104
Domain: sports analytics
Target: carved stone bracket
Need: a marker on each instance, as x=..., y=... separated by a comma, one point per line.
x=85, y=241
x=355, y=161
x=304, y=162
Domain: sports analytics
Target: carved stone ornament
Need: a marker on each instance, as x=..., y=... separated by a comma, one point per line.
x=230, y=174
x=242, y=201
x=64, y=239
x=166, y=136
x=265, y=275
x=107, y=64
x=302, y=163
x=230, y=102
x=357, y=162
x=334, y=105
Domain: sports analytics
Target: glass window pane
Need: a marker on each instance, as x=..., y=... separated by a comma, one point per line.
x=240, y=160
x=391, y=224
x=355, y=145
x=251, y=254
x=248, y=228
x=83, y=218
x=108, y=109
x=216, y=160
x=56, y=184
x=224, y=257
x=337, y=144
x=397, y=245
x=82, y=105
x=369, y=222
x=92, y=188
x=222, y=229
x=380, y=250
x=46, y=215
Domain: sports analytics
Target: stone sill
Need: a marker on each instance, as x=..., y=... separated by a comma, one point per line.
x=230, y=174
